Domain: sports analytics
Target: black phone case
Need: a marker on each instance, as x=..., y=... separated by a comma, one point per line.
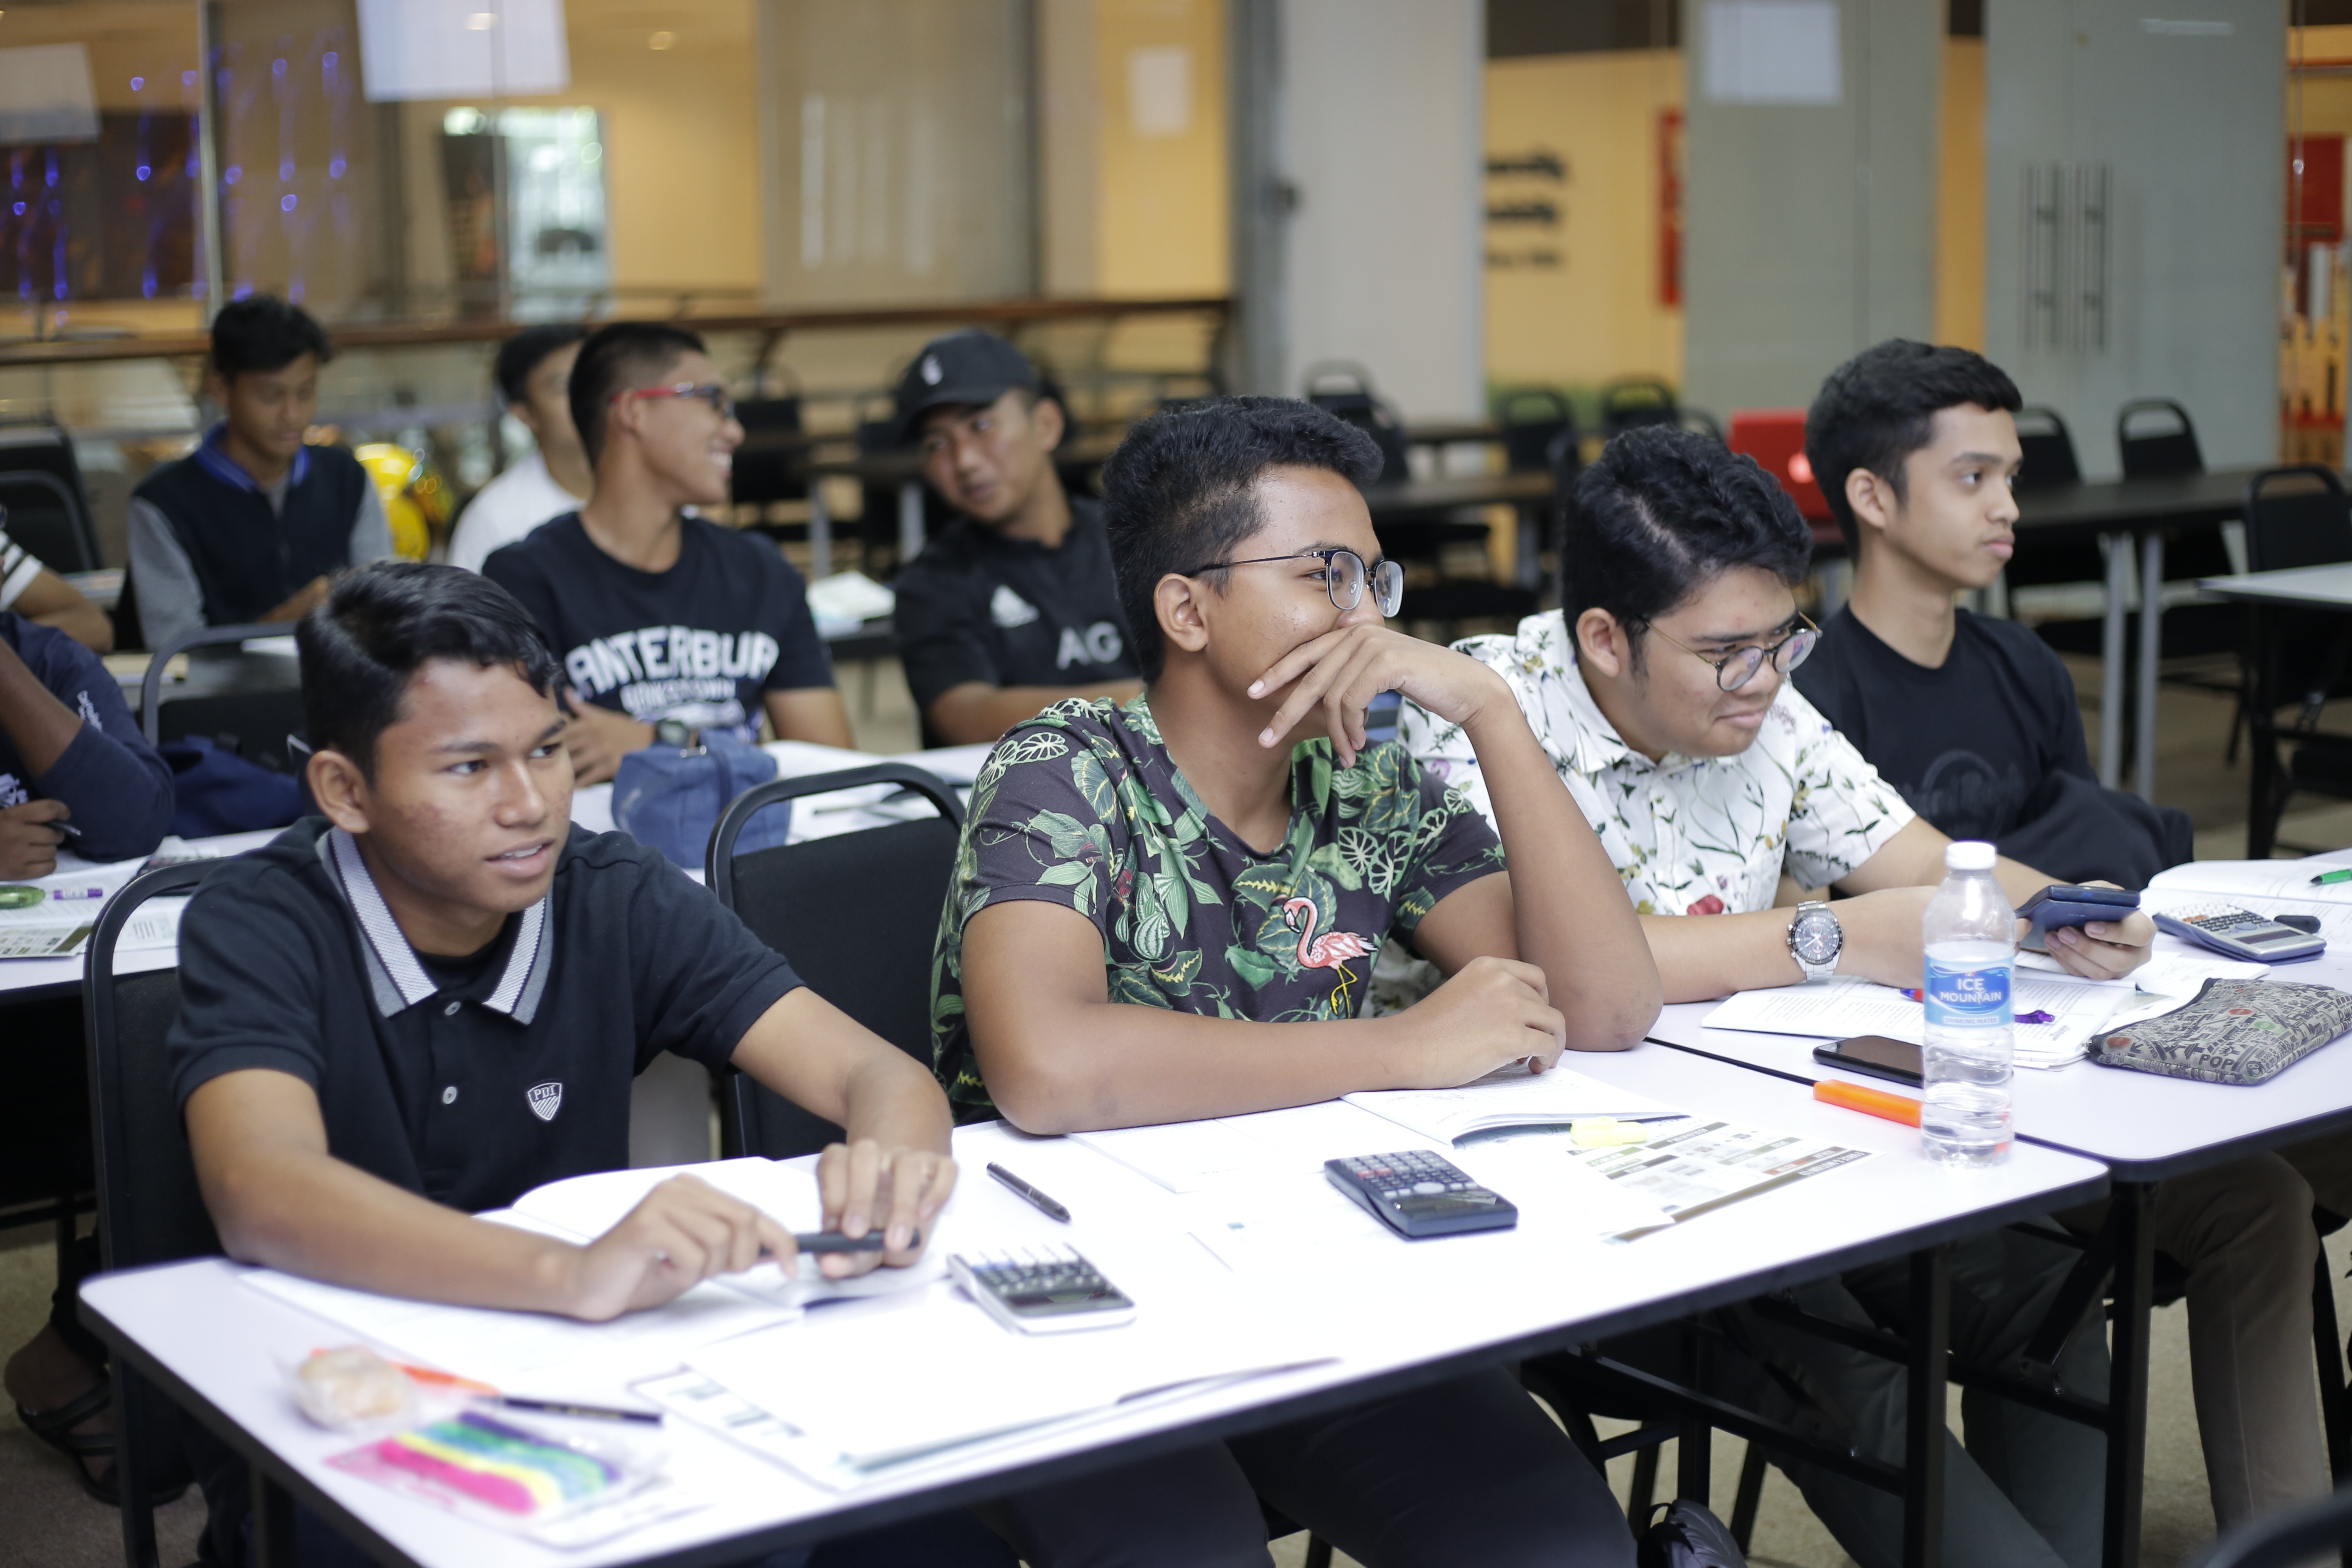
x=1830, y=1056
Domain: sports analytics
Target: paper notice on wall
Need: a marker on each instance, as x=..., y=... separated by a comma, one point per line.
x=1772, y=52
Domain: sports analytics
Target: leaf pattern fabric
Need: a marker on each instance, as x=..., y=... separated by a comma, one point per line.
x=1082, y=806
x=1688, y=835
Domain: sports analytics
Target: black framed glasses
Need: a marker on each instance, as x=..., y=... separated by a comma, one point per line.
x=714, y=392
x=1344, y=576
x=1737, y=668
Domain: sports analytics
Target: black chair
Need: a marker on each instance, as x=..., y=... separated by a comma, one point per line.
x=48, y=519
x=2296, y=516
x=1534, y=420
x=148, y=1208
x=2169, y=449
x=1339, y=388
x=857, y=914
x=42, y=447
x=770, y=464
x=257, y=716
x=1634, y=401
x=2049, y=450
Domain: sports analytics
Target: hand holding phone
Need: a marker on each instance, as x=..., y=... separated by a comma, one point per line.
x=2060, y=905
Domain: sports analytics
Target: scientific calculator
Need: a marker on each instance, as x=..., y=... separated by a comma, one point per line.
x=1042, y=1289
x=1418, y=1194
x=2240, y=934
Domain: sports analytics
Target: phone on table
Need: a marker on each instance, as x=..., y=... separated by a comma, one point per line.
x=1894, y=1060
x=2060, y=905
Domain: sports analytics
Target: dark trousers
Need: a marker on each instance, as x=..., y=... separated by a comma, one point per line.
x=1466, y=1471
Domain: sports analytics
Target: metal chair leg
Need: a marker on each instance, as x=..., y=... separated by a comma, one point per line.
x=1641, y=1496
x=2327, y=1343
x=1749, y=1498
x=1319, y=1552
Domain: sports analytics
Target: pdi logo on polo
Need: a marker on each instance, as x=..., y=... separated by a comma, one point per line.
x=546, y=1100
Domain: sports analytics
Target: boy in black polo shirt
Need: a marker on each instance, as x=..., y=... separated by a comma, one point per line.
x=436, y=996
x=1014, y=605
x=665, y=625
x=1168, y=909
x=250, y=525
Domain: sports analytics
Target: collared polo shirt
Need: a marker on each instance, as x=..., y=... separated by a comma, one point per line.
x=468, y=1080
x=1689, y=835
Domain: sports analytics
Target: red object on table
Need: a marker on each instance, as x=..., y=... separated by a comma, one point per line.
x=1775, y=437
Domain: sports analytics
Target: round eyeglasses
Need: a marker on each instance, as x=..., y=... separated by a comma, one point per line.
x=1737, y=668
x=1344, y=576
x=711, y=392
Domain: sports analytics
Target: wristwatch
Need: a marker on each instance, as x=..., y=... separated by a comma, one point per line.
x=674, y=732
x=1815, y=939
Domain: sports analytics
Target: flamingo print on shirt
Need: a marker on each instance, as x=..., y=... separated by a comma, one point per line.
x=1330, y=950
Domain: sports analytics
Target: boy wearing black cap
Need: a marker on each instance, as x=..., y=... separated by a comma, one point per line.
x=250, y=525
x=1013, y=607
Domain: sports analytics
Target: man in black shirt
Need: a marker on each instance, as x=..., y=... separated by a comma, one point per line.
x=664, y=622
x=434, y=997
x=1013, y=607
x=1973, y=719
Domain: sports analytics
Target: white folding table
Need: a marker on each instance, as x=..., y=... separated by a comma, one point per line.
x=1395, y=1314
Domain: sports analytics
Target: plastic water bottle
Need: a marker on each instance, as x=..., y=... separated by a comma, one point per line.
x=1970, y=935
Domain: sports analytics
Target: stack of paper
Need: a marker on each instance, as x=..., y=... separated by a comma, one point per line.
x=1188, y=1156
x=2266, y=886
x=1845, y=1005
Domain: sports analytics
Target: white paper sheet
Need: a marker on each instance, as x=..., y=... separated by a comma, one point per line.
x=1708, y=1161
x=2264, y=879
x=1517, y=1100
x=1846, y=1004
x=1188, y=1156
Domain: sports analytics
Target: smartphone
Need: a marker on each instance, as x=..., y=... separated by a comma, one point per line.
x=2060, y=905
x=1894, y=1060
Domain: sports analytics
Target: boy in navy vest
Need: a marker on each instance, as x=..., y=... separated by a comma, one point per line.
x=250, y=525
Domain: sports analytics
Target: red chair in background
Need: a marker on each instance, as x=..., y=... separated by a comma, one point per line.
x=1775, y=437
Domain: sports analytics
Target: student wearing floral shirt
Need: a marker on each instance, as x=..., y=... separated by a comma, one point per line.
x=1660, y=694
x=1168, y=910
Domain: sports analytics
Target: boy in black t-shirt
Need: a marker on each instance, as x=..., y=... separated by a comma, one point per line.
x=1014, y=607
x=1974, y=721
x=434, y=997
x=665, y=625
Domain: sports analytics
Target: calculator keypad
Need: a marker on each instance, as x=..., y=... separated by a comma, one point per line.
x=1412, y=1173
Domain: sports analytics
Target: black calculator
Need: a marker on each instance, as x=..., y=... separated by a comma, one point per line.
x=1418, y=1194
x=1041, y=1289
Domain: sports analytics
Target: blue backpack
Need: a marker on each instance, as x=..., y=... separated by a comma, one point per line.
x=217, y=791
x=670, y=800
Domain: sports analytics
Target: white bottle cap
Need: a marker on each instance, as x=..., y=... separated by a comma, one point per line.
x=1968, y=854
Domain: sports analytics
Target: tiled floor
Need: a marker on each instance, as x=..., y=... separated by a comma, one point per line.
x=45, y=1522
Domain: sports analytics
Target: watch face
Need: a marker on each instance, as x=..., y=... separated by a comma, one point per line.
x=1815, y=938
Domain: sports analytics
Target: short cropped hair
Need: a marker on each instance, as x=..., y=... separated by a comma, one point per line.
x=263, y=333
x=1880, y=406
x=615, y=358
x=1663, y=512
x=381, y=623
x=1181, y=491
x=526, y=350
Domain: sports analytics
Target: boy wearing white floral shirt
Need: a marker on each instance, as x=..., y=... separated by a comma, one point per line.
x=1659, y=692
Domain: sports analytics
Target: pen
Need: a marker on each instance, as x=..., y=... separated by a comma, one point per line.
x=2326, y=877
x=564, y=1407
x=814, y=1241
x=1869, y=1101
x=62, y=895
x=1036, y=1199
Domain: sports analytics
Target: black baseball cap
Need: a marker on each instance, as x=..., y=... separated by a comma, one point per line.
x=968, y=367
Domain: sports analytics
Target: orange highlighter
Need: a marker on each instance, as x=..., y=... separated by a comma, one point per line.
x=1869, y=1101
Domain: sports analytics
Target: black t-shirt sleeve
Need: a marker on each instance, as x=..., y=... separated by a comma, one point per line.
x=250, y=981
x=940, y=643
x=802, y=658
x=704, y=979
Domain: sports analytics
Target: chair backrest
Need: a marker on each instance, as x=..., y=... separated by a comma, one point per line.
x=41, y=513
x=769, y=465
x=2296, y=516
x=149, y=1209
x=1345, y=389
x=2049, y=450
x=1635, y=401
x=2165, y=442
x=259, y=716
x=856, y=913
x=1533, y=418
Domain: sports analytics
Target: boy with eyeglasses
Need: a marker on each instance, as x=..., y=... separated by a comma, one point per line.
x=1660, y=693
x=667, y=626
x=1167, y=910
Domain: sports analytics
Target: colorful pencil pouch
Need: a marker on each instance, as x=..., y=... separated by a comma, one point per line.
x=502, y=1473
